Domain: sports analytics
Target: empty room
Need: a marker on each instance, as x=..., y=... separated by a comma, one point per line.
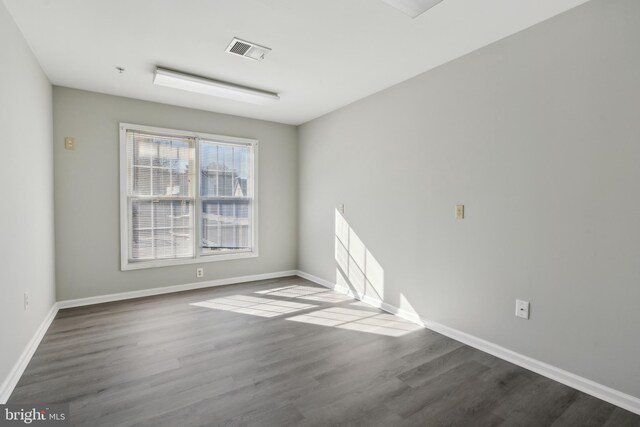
x=320, y=213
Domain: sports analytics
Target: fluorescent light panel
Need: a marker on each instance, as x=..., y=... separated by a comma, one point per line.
x=191, y=83
x=413, y=8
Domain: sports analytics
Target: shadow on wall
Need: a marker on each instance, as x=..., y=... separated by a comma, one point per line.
x=357, y=269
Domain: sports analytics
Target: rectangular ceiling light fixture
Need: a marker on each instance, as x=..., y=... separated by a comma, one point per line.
x=413, y=8
x=191, y=83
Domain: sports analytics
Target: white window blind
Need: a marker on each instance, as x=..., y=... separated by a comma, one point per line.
x=174, y=215
x=161, y=200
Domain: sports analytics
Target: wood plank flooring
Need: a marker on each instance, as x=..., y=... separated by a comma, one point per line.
x=279, y=353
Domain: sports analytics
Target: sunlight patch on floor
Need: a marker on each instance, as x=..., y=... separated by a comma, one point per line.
x=256, y=306
x=328, y=297
x=358, y=320
x=306, y=293
x=291, y=291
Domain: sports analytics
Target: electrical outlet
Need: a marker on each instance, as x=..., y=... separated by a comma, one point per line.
x=522, y=309
x=341, y=208
x=200, y=272
x=26, y=300
x=69, y=143
x=459, y=211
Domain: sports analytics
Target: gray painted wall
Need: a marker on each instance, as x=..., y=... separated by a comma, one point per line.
x=26, y=216
x=538, y=135
x=87, y=198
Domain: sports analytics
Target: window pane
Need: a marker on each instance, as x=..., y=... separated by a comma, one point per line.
x=143, y=151
x=224, y=170
x=208, y=169
x=161, y=229
x=225, y=225
x=142, y=180
x=226, y=205
x=159, y=165
x=241, y=162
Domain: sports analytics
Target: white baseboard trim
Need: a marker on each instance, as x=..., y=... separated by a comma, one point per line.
x=317, y=280
x=585, y=385
x=170, y=289
x=14, y=376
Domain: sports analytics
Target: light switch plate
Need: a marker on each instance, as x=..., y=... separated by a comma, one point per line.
x=522, y=309
x=459, y=211
x=69, y=143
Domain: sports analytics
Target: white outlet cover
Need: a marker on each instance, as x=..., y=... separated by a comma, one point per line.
x=522, y=309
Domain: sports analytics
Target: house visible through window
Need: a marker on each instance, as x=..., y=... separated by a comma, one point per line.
x=185, y=197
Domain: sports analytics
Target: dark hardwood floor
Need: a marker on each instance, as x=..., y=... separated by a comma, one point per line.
x=283, y=352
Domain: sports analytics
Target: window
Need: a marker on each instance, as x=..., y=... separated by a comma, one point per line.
x=185, y=197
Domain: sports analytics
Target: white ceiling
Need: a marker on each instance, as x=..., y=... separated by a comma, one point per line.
x=326, y=53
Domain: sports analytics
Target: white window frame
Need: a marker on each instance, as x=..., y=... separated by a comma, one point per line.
x=198, y=257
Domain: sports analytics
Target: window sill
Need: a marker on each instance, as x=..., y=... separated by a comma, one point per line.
x=126, y=265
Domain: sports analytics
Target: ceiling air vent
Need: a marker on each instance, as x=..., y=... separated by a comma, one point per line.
x=247, y=49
